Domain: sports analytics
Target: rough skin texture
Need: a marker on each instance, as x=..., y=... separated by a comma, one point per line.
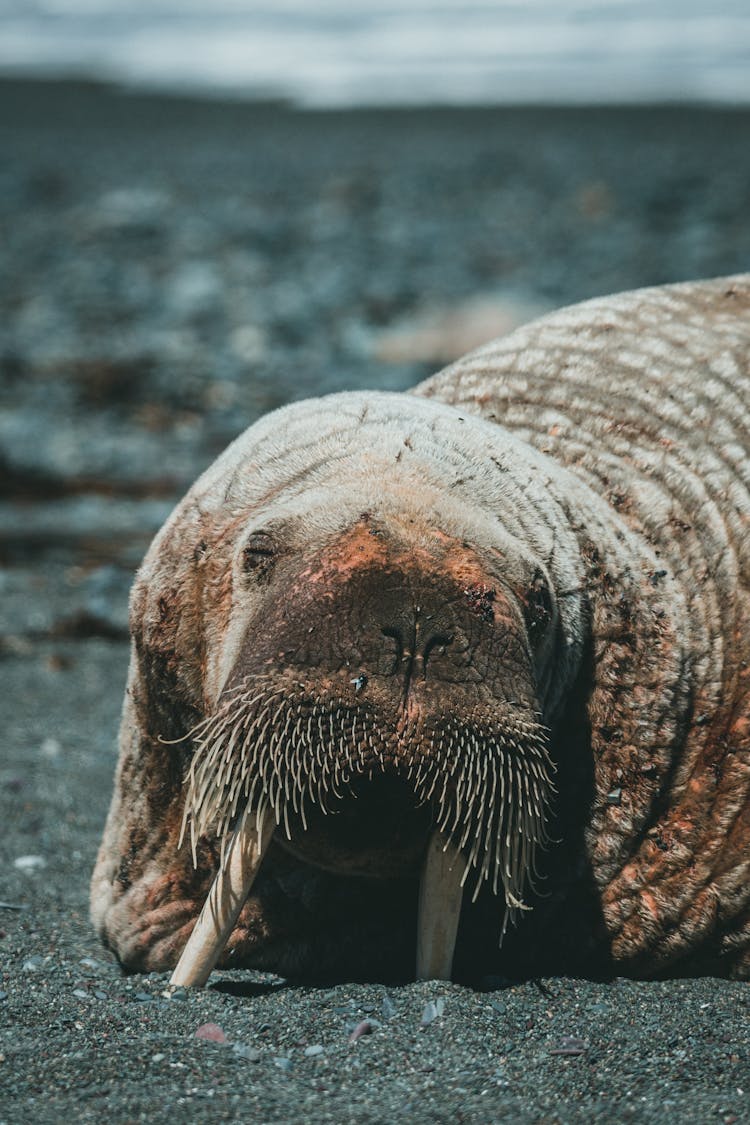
x=573, y=506
x=646, y=398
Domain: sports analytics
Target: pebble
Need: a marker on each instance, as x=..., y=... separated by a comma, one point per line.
x=175, y=994
x=158, y=1057
x=194, y=287
x=315, y=1049
x=124, y=208
x=570, y=1046
x=243, y=1051
x=249, y=343
x=91, y=963
x=50, y=748
x=30, y=862
x=283, y=1063
x=431, y=1011
x=81, y=993
x=364, y=1027
x=212, y=1032
x=388, y=1008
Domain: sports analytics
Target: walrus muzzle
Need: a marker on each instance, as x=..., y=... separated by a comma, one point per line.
x=274, y=755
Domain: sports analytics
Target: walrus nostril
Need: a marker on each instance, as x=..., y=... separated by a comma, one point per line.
x=436, y=644
x=399, y=658
x=393, y=654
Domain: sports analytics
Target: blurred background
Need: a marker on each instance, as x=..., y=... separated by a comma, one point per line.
x=207, y=210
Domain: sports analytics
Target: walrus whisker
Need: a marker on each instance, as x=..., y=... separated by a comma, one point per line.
x=264, y=750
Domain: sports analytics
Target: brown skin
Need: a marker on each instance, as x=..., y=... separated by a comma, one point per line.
x=425, y=570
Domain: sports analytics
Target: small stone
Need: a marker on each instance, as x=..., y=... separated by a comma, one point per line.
x=158, y=1057
x=32, y=964
x=30, y=862
x=81, y=993
x=283, y=1063
x=50, y=748
x=570, y=1046
x=100, y=995
x=212, y=1032
x=429, y=1013
x=3, y=995
x=174, y=993
x=388, y=1008
x=144, y=997
x=364, y=1027
x=614, y=797
x=249, y=343
x=316, y=1049
x=195, y=287
x=249, y=1054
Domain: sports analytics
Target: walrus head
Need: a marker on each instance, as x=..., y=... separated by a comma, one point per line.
x=391, y=668
x=393, y=654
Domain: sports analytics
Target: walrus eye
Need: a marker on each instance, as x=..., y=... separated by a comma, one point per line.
x=537, y=608
x=259, y=555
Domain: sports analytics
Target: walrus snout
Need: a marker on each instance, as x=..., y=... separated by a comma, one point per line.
x=400, y=614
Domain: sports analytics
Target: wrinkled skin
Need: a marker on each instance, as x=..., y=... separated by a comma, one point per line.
x=417, y=565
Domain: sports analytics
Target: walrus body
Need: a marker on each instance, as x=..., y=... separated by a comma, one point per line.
x=511, y=609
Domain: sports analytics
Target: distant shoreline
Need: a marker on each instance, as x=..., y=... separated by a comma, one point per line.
x=74, y=85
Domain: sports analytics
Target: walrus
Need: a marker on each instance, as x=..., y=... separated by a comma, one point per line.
x=457, y=679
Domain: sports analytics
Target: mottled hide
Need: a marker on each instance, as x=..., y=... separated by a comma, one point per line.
x=512, y=607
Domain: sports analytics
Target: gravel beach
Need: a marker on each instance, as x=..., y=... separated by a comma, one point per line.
x=170, y=270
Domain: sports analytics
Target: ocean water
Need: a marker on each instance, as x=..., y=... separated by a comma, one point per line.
x=355, y=52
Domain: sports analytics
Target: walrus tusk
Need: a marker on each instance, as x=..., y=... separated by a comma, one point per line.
x=226, y=898
x=440, y=894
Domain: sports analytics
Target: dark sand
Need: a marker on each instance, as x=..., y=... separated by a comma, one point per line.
x=169, y=271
